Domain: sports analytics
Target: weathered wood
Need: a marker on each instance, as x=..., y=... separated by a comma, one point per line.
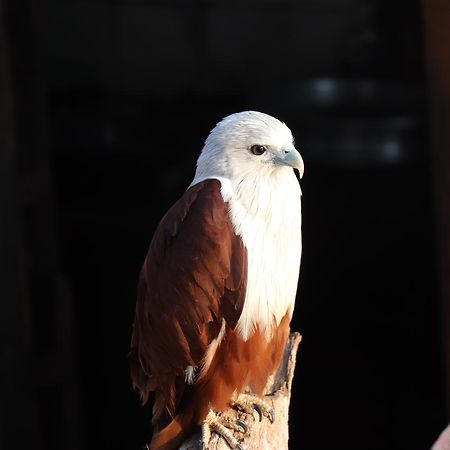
x=263, y=435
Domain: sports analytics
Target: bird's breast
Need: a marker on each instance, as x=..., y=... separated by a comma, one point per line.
x=267, y=216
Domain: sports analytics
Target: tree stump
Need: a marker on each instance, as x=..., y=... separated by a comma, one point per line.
x=262, y=435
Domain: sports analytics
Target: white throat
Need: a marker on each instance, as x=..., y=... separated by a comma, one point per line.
x=266, y=212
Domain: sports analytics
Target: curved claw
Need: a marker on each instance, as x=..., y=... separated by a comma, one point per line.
x=259, y=410
x=271, y=413
x=242, y=424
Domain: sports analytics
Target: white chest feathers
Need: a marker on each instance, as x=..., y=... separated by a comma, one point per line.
x=267, y=216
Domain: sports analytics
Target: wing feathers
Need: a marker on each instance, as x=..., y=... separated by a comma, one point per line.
x=193, y=277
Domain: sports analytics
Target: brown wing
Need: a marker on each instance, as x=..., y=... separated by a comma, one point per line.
x=194, y=275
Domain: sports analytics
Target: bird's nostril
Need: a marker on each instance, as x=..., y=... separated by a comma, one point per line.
x=286, y=152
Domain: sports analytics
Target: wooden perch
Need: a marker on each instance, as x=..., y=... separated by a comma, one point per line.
x=262, y=435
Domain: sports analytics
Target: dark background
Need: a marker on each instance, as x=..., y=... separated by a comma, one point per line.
x=105, y=107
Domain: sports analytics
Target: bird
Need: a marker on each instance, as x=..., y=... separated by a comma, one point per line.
x=217, y=289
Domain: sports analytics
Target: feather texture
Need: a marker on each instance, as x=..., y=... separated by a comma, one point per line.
x=217, y=288
x=193, y=278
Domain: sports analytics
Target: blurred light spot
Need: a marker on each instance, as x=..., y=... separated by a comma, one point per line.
x=324, y=88
x=391, y=150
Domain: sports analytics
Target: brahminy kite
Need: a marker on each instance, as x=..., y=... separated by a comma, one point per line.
x=217, y=289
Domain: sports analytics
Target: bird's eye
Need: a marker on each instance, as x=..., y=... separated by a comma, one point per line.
x=257, y=149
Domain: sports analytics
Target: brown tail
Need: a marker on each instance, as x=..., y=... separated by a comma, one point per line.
x=172, y=436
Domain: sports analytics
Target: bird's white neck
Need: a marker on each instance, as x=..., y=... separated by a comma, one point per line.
x=266, y=213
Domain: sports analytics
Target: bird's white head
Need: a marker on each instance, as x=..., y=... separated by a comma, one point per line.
x=246, y=144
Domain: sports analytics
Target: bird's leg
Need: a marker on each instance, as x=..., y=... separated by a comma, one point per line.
x=249, y=403
x=222, y=426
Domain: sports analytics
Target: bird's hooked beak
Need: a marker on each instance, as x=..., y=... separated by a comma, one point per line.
x=292, y=158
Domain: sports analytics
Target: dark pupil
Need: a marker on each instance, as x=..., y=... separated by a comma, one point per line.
x=258, y=149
